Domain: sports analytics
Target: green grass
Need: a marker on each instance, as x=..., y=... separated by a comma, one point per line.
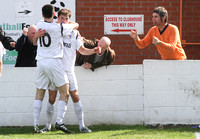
x=104, y=132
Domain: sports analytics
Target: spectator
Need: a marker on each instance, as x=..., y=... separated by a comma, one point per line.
x=163, y=35
x=26, y=49
x=6, y=42
x=105, y=58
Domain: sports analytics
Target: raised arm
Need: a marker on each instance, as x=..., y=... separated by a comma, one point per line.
x=147, y=40
x=21, y=40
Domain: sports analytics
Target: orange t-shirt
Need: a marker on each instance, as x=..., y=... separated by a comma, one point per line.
x=170, y=48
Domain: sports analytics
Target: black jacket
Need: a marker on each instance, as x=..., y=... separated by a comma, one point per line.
x=26, y=52
x=6, y=40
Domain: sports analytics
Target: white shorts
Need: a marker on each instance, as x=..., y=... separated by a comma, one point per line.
x=50, y=71
x=72, y=81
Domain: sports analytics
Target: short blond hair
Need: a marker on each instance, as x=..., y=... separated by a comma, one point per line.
x=65, y=12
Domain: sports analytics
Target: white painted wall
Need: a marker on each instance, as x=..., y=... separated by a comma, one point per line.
x=172, y=92
x=155, y=92
x=112, y=95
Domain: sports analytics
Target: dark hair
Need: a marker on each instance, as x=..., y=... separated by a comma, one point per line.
x=48, y=11
x=65, y=12
x=162, y=12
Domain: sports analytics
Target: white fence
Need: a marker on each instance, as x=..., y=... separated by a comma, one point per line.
x=155, y=92
x=171, y=92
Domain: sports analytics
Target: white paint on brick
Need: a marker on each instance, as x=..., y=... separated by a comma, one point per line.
x=171, y=92
x=107, y=94
x=157, y=92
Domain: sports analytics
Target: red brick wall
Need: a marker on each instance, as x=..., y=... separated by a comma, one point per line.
x=90, y=16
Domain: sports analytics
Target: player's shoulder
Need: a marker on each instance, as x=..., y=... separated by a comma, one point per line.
x=39, y=22
x=74, y=34
x=47, y=23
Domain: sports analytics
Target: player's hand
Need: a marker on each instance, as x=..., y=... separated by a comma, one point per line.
x=25, y=31
x=97, y=50
x=87, y=65
x=156, y=41
x=12, y=44
x=134, y=34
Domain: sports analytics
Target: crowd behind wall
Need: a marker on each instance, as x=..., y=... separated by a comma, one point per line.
x=90, y=16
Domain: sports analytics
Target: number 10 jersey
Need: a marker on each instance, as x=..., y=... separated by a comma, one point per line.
x=51, y=44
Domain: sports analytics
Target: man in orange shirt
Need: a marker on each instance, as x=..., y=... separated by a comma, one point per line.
x=163, y=35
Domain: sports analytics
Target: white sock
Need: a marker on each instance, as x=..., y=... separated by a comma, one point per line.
x=79, y=113
x=37, y=106
x=62, y=108
x=49, y=114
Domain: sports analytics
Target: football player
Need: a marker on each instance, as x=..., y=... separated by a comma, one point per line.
x=49, y=65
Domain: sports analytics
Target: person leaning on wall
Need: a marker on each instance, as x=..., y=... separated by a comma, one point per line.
x=105, y=58
x=163, y=35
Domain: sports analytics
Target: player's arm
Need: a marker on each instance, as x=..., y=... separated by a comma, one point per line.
x=83, y=50
x=90, y=43
x=86, y=51
x=76, y=25
x=66, y=28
